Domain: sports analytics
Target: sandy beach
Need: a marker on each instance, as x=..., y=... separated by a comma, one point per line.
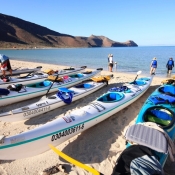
x=98, y=147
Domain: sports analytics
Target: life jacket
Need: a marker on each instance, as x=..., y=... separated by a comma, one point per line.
x=170, y=62
x=154, y=63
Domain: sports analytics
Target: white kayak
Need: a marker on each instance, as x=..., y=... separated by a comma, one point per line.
x=39, y=76
x=42, y=88
x=52, y=102
x=36, y=141
x=22, y=71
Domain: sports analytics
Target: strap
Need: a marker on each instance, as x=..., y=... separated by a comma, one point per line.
x=96, y=105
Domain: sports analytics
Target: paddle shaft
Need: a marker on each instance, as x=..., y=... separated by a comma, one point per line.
x=135, y=78
x=16, y=68
x=51, y=85
x=75, y=162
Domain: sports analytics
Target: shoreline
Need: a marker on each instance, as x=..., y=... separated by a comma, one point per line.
x=24, y=64
x=98, y=147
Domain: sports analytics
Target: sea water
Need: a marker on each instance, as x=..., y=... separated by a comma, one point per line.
x=129, y=59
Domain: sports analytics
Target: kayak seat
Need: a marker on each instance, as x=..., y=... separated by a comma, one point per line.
x=45, y=83
x=147, y=136
x=86, y=85
x=167, y=89
x=79, y=75
x=111, y=97
x=161, y=114
x=138, y=82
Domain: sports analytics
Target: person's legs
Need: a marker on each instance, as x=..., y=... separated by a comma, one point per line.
x=9, y=68
x=3, y=68
x=151, y=70
x=3, y=73
x=154, y=70
x=169, y=69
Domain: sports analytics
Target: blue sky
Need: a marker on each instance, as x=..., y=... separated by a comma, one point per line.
x=146, y=22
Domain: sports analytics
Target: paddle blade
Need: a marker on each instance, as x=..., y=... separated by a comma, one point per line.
x=75, y=162
x=139, y=72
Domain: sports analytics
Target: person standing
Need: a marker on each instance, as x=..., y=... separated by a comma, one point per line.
x=153, y=66
x=170, y=65
x=5, y=64
x=110, y=62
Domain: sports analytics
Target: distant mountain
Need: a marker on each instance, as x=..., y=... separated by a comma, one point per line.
x=15, y=32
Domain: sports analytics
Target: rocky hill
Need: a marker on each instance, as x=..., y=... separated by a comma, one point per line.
x=16, y=33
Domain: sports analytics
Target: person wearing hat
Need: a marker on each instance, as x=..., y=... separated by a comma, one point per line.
x=110, y=62
x=5, y=64
x=153, y=66
x=170, y=65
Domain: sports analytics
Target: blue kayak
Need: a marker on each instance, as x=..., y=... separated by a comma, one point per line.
x=159, y=108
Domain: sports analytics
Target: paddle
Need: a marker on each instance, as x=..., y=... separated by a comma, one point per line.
x=75, y=162
x=51, y=85
x=138, y=73
x=16, y=68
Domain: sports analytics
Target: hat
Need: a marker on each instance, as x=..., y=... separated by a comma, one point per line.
x=3, y=58
x=154, y=58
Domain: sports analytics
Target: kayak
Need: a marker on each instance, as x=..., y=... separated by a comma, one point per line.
x=158, y=112
x=29, y=91
x=62, y=97
x=36, y=141
x=22, y=71
x=38, y=76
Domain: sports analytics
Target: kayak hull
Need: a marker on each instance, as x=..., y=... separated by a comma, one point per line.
x=36, y=141
x=149, y=105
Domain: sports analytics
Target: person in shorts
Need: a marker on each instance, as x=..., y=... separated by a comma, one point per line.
x=110, y=62
x=5, y=65
x=153, y=66
x=170, y=65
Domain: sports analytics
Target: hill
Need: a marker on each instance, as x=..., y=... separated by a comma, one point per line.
x=17, y=33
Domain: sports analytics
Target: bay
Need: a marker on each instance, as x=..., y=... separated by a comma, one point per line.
x=129, y=59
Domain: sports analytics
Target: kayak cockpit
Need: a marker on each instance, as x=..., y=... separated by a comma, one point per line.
x=144, y=79
x=42, y=84
x=84, y=85
x=160, y=115
x=138, y=82
x=124, y=89
x=111, y=97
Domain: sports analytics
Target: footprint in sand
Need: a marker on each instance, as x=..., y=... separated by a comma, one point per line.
x=2, y=171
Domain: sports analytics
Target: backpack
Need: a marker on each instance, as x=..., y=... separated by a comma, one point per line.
x=5, y=78
x=137, y=160
x=16, y=87
x=4, y=91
